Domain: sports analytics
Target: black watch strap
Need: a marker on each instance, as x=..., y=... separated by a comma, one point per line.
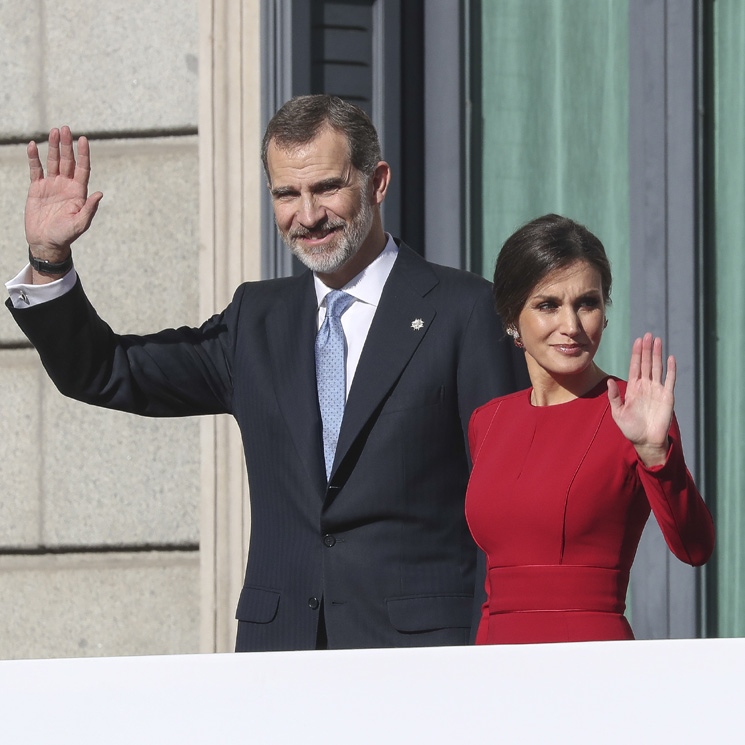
x=49, y=267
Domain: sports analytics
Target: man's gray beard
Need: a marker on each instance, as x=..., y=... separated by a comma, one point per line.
x=327, y=261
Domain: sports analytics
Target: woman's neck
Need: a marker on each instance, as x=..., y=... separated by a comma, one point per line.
x=549, y=390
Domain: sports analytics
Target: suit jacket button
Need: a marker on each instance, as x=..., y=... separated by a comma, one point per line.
x=329, y=540
x=313, y=603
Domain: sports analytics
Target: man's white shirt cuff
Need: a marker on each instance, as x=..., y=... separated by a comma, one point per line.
x=23, y=294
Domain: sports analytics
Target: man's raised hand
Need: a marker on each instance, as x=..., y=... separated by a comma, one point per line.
x=58, y=208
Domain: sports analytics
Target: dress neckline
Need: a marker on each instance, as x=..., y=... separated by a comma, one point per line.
x=595, y=392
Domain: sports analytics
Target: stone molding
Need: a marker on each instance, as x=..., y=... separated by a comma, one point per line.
x=230, y=252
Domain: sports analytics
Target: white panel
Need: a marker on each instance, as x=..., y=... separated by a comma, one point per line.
x=616, y=692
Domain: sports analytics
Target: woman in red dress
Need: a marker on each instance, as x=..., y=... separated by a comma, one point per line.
x=565, y=473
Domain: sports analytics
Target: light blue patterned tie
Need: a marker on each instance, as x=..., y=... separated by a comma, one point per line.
x=331, y=367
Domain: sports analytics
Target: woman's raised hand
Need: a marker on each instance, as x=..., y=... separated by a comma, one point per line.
x=58, y=208
x=645, y=413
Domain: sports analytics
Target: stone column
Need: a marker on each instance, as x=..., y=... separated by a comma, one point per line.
x=230, y=220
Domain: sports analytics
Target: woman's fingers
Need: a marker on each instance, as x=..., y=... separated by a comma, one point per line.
x=671, y=372
x=657, y=360
x=646, y=362
x=614, y=394
x=635, y=363
x=646, y=357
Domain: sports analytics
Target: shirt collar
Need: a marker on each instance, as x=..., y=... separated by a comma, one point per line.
x=368, y=285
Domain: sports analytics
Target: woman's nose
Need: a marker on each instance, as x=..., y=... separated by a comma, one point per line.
x=570, y=324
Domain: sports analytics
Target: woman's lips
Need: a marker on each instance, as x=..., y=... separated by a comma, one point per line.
x=568, y=349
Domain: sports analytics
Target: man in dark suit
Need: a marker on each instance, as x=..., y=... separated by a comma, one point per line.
x=358, y=531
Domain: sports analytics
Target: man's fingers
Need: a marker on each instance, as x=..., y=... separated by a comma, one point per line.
x=91, y=204
x=83, y=170
x=53, y=153
x=61, y=160
x=67, y=154
x=88, y=211
x=34, y=164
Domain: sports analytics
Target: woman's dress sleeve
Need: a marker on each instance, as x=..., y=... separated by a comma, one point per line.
x=680, y=511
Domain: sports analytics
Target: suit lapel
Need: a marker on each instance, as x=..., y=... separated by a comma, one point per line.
x=291, y=331
x=401, y=322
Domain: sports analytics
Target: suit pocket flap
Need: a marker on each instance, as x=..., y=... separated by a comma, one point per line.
x=257, y=605
x=430, y=612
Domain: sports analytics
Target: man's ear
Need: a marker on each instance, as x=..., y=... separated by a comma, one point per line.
x=380, y=179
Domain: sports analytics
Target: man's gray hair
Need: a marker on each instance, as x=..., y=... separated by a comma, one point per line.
x=301, y=119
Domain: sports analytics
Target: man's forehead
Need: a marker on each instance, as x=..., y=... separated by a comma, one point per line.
x=325, y=155
x=326, y=139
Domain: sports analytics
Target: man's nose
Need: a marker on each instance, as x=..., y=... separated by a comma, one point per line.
x=311, y=212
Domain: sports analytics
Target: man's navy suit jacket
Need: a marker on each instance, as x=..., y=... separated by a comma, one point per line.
x=383, y=549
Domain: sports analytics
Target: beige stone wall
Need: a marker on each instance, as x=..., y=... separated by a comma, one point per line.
x=100, y=511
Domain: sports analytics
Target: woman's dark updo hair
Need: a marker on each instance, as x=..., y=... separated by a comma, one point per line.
x=538, y=248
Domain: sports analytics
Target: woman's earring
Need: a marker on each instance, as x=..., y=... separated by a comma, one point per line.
x=515, y=334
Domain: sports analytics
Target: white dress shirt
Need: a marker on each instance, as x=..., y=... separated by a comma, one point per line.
x=366, y=288
x=23, y=294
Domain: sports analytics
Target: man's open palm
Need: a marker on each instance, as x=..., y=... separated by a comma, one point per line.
x=58, y=208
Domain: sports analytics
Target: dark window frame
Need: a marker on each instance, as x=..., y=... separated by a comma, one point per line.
x=422, y=108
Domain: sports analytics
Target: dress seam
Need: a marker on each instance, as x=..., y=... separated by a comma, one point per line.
x=572, y=480
x=488, y=430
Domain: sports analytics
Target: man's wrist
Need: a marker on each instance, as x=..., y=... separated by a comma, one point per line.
x=51, y=268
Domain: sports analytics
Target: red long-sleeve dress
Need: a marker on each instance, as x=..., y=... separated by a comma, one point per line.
x=557, y=500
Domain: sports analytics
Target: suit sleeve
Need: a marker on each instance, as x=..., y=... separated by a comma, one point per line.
x=680, y=511
x=176, y=372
